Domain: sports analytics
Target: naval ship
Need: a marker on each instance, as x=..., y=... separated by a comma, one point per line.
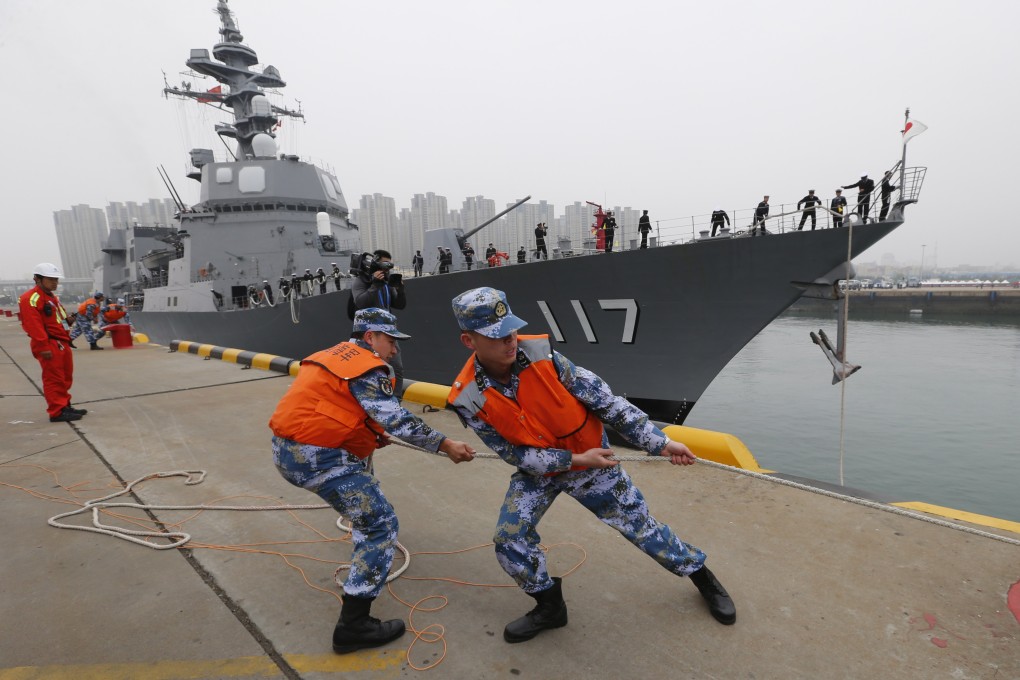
x=657, y=324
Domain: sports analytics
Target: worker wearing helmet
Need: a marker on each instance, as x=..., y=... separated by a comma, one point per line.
x=44, y=320
x=88, y=314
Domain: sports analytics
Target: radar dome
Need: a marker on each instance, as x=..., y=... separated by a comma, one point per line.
x=322, y=224
x=260, y=106
x=263, y=145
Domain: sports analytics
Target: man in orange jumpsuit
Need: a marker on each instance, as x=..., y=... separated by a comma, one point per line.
x=44, y=319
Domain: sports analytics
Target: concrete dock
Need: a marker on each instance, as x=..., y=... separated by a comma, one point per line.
x=824, y=588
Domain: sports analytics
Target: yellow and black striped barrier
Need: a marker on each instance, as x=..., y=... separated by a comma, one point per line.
x=715, y=446
x=267, y=362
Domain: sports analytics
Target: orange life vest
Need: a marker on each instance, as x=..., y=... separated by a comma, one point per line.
x=114, y=312
x=319, y=408
x=545, y=415
x=85, y=305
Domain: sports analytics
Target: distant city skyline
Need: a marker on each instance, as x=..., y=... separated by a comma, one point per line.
x=683, y=107
x=82, y=229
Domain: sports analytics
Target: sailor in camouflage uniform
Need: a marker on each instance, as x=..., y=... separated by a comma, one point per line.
x=544, y=415
x=335, y=414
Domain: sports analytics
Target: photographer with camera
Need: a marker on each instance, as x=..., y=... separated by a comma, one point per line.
x=377, y=285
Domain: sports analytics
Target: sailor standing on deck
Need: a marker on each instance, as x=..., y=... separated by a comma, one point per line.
x=645, y=226
x=43, y=318
x=864, y=188
x=886, y=193
x=719, y=216
x=760, y=213
x=320, y=278
x=544, y=415
x=809, y=202
x=838, y=205
x=336, y=274
x=335, y=415
x=609, y=227
x=540, y=250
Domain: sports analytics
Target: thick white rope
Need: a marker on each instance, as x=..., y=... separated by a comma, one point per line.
x=181, y=538
x=784, y=482
x=842, y=344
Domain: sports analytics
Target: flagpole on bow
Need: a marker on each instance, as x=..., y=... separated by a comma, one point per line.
x=903, y=160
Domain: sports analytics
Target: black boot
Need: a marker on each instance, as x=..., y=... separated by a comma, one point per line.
x=95, y=346
x=551, y=612
x=79, y=411
x=719, y=602
x=65, y=416
x=357, y=630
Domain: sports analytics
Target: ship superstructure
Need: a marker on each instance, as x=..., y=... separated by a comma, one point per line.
x=657, y=324
x=262, y=215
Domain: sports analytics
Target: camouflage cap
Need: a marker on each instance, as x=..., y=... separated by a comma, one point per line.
x=375, y=319
x=485, y=311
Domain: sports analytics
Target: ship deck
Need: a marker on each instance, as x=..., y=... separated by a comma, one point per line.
x=823, y=587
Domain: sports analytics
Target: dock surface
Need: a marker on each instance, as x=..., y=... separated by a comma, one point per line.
x=824, y=588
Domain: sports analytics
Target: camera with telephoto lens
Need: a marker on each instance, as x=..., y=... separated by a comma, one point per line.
x=366, y=264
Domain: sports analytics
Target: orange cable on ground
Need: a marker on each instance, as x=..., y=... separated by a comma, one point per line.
x=430, y=634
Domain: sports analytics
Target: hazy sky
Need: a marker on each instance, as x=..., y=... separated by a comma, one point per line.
x=670, y=106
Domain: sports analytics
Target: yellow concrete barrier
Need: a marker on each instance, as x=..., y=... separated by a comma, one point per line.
x=718, y=447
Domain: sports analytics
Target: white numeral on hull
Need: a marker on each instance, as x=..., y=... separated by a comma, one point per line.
x=630, y=306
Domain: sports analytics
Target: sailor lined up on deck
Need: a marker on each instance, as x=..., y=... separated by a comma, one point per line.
x=718, y=217
x=809, y=202
x=838, y=205
x=760, y=213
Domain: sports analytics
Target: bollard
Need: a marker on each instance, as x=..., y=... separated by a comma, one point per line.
x=121, y=334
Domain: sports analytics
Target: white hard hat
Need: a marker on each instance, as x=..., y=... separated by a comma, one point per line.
x=49, y=270
x=120, y=301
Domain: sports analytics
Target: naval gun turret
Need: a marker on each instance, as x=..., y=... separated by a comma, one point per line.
x=454, y=238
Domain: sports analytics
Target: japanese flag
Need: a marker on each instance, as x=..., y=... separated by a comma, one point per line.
x=913, y=129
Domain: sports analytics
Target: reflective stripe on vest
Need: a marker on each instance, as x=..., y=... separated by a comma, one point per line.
x=544, y=415
x=321, y=411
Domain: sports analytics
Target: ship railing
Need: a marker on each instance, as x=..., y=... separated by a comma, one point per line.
x=784, y=217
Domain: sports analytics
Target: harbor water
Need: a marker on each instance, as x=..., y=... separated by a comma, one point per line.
x=930, y=417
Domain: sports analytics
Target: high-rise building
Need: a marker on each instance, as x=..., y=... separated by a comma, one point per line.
x=428, y=211
x=376, y=217
x=474, y=211
x=156, y=212
x=80, y=235
x=576, y=225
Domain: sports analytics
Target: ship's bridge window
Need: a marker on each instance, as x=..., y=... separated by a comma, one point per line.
x=327, y=185
x=251, y=180
x=224, y=175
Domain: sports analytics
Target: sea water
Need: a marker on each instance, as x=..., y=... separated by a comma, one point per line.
x=933, y=415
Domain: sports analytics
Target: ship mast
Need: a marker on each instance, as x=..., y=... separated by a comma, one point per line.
x=240, y=87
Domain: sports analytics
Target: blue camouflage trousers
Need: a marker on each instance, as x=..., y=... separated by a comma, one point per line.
x=83, y=325
x=610, y=495
x=343, y=480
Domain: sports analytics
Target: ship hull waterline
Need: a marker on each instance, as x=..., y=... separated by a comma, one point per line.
x=657, y=324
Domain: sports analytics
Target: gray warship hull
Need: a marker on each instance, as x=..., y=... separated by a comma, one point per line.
x=658, y=324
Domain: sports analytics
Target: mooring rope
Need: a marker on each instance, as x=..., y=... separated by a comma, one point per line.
x=179, y=539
